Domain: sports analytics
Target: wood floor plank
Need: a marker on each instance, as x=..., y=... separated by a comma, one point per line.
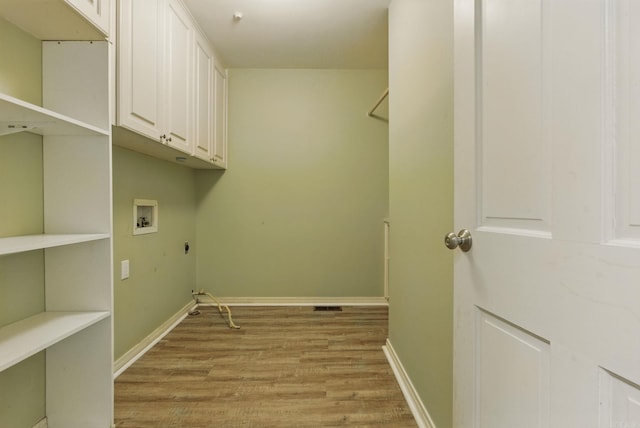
x=286, y=367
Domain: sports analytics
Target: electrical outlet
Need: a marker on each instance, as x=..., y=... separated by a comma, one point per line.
x=124, y=269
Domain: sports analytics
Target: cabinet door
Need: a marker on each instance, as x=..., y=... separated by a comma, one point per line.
x=177, y=106
x=203, y=80
x=96, y=11
x=140, y=65
x=220, y=124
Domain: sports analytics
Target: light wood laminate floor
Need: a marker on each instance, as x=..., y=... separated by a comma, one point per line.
x=285, y=367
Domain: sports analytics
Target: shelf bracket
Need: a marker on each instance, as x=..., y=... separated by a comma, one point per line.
x=13, y=127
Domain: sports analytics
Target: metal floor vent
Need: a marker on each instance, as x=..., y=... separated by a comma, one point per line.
x=328, y=308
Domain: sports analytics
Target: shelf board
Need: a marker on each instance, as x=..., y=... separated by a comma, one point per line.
x=21, y=244
x=22, y=339
x=17, y=116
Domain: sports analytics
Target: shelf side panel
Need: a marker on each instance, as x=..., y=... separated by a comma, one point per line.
x=77, y=185
x=79, y=379
x=74, y=76
x=78, y=277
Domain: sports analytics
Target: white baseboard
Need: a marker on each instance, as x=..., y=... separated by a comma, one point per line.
x=42, y=424
x=131, y=356
x=296, y=301
x=420, y=413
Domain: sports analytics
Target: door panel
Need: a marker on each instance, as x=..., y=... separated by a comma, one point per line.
x=178, y=104
x=220, y=131
x=620, y=400
x=513, y=370
x=510, y=71
x=547, y=299
x=140, y=63
x=624, y=59
x=203, y=139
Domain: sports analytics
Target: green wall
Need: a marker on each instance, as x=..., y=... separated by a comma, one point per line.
x=421, y=197
x=21, y=68
x=22, y=387
x=300, y=211
x=161, y=274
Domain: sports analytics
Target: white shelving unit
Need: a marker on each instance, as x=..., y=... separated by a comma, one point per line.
x=76, y=328
x=172, y=97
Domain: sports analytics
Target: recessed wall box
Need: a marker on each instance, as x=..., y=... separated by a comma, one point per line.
x=145, y=216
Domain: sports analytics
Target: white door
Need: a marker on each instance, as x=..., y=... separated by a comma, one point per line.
x=140, y=62
x=547, y=180
x=220, y=131
x=178, y=106
x=203, y=115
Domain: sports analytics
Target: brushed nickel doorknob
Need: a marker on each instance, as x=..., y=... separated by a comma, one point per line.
x=462, y=240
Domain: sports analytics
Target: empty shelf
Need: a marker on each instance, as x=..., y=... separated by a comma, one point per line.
x=20, y=244
x=17, y=116
x=22, y=339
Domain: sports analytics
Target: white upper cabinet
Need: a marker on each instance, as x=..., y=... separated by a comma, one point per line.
x=140, y=66
x=154, y=79
x=167, y=85
x=211, y=105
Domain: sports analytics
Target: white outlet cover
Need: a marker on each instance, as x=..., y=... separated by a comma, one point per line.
x=124, y=269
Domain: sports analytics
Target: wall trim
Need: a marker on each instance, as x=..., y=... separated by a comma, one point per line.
x=296, y=301
x=42, y=424
x=133, y=354
x=419, y=411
